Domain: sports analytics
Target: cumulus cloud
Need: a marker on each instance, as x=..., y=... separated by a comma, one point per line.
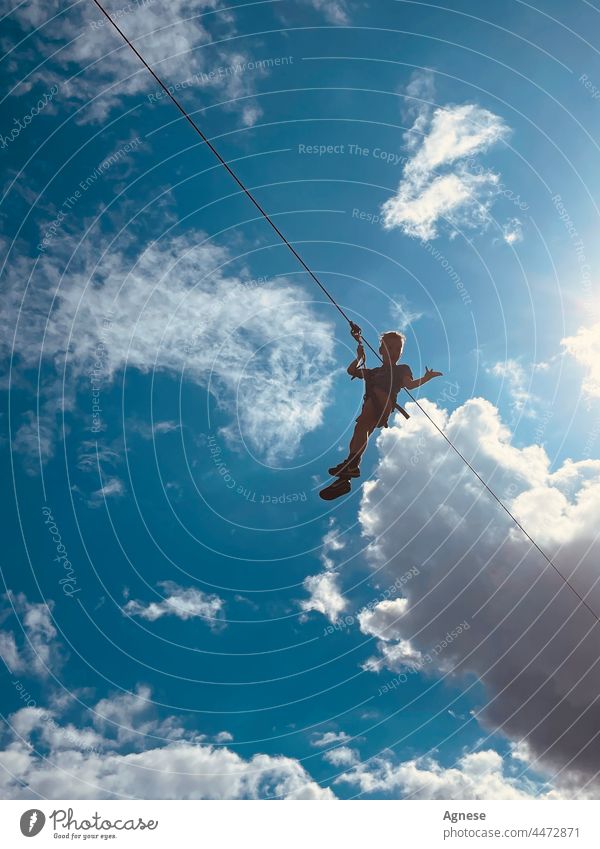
x=529, y=643
x=477, y=775
x=223, y=737
x=584, y=347
x=325, y=595
x=329, y=738
x=43, y=757
x=95, y=70
x=442, y=181
x=176, y=771
x=182, y=602
x=260, y=350
x=381, y=622
x=343, y=756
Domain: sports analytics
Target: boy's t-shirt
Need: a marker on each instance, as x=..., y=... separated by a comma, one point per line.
x=388, y=380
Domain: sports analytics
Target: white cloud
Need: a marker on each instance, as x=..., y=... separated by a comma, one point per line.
x=124, y=709
x=150, y=430
x=403, y=313
x=80, y=763
x=250, y=115
x=454, y=133
x=128, y=719
x=35, y=438
x=164, y=427
x=262, y=352
x=397, y=656
x=184, y=603
x=342, y=756
x=520, y=751
x=94, y=68
x=34, y=651
x=527, y=641
x=325, y=595
x=382, y=622
x=378, y=620
x=441, y=180
x=223, y=737
x=328, y=738
x=478, y=775
x=112, y=488
x=518, y=383
x=512, y=231
x=585, y=348
x=9, y=651
x=418, y=105
x=332, y=542
x=335, y=11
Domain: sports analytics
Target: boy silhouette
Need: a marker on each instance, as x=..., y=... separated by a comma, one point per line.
x=382, y=385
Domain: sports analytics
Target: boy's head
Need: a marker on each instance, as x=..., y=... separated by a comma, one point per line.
x=391, y=345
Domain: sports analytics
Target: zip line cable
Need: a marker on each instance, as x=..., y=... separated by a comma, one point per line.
x=353, y=326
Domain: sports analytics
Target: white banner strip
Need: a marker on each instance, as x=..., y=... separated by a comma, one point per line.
x=294, y=825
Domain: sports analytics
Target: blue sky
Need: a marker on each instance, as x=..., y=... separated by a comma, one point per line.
x=181, y=614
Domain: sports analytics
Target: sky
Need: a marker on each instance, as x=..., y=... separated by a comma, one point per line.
x=181, y=616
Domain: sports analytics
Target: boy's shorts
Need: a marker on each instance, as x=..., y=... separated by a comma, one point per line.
x=377, y=417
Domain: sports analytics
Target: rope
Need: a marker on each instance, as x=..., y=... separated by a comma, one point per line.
x=353, y=327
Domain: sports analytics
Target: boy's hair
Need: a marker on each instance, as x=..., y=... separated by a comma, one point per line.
x=393, y=334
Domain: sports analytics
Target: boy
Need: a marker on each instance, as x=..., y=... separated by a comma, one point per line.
x=382, y=385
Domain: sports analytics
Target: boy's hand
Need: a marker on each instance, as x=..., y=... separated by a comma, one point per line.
x=430, y=373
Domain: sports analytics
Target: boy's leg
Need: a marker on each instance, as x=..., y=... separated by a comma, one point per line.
x=364, y=427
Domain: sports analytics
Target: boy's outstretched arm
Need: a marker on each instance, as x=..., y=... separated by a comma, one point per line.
x=429, y=375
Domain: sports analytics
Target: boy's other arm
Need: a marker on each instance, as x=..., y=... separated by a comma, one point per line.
x=354, y=369
x=429, y=375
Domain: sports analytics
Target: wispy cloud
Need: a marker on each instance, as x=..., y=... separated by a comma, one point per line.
x=335, y=11
x=111, y=488
x=149, y=430
x=403, y=313
x=262, y=352
x=182, y=602
x=329, y=738
x=440, y=182
x=512, y=231
x=518, y=384
x=95, y=70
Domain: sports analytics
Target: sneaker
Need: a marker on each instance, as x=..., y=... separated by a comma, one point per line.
x=341, y=486
x=345, y=469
